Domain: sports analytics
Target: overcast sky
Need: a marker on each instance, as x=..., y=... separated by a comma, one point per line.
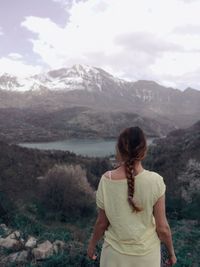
x=132, y=39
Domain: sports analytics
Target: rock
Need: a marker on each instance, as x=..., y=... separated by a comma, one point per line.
x=31, y=242
x=9, y=242
x=55, y=248
x=43, y=250
x=16, y=257
x=58, y=245
x=15, y=235
x=22, y=256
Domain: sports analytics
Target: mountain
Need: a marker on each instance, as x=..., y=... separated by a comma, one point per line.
x=79, y=77
x=92, y=88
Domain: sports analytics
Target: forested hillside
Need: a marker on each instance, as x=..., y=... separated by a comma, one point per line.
x=39, y=189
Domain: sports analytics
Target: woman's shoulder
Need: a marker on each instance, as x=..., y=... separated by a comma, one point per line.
x=106, y=174
x=154, y=176
x=109, y=173
x=115, y=174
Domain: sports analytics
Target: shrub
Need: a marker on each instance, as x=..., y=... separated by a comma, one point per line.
x=65, y=190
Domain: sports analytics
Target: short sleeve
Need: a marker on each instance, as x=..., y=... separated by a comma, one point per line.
x=160, y=188
x=100, y=195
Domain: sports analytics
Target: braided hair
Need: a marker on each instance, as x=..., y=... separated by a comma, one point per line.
x=131, y=148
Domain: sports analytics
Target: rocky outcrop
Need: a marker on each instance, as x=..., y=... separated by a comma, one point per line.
x=43, y=250
x=12, y=241
x=31, y=242
x=16, y=257
x=22, y=251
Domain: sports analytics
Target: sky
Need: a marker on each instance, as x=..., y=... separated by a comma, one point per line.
x=132, y=39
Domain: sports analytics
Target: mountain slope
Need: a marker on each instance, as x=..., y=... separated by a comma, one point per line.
x=84, y=86
x=177, y=159
x=22, y=125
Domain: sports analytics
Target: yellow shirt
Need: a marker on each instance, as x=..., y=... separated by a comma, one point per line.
x=129, y=232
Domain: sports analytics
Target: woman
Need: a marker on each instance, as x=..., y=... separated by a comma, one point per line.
x=131, y=202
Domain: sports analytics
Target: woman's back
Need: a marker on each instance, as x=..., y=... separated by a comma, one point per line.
x=132, y=209
x=130, y=232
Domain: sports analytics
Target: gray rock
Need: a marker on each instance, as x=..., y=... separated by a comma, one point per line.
x=9, y=242
x=16, y=257
x=43, y=250
x=58, y=245
x=22, y=256
x=31, y=242
x=15, y=235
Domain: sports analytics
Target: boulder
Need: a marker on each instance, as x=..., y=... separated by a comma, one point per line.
x=58, y=245
x=10, y=243
x=15, y=235
x=43, y=251
x=16, y=257
x=31, y=242
x=22, y=256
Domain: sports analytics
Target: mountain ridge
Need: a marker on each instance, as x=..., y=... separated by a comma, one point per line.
x=94, y=88
x=12, y=82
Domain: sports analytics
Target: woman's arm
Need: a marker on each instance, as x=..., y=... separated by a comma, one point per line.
x=163, y=228
x=101, y=225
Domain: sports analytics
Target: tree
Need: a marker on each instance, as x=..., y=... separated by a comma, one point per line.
x=66, y=189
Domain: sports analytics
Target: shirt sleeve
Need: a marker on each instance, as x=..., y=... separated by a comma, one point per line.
x=160, y=188
x=100, y=195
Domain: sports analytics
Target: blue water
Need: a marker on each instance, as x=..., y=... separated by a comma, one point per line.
x=85, y=147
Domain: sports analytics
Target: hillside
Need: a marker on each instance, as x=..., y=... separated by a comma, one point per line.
x=26, y=125
x=20, y=167
x=22, y=207
x=177, y=158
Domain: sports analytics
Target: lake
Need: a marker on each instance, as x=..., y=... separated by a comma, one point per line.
x=85, y=147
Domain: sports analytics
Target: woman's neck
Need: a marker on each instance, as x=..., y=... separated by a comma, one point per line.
x=138, y=168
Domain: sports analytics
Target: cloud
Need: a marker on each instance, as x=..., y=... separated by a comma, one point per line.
x=188, y=79
x=15, y=65
x=1, y=31
x=146, y=42
x=189, y=29
x=188, y=1
x=132, y=39
x=15, y=56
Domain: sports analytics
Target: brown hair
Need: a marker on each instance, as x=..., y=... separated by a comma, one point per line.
x=131, y=147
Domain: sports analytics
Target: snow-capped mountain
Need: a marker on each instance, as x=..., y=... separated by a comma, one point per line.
x=92, y=87
x=78, y=77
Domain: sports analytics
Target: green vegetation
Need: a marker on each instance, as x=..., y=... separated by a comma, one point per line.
x=50, y=195
x=67, y=190
x=186, y=234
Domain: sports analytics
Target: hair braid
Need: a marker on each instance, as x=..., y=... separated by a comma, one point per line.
x=129, y=169
x=131, y=148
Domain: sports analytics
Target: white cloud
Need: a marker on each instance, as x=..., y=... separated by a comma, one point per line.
x=188, y=79
x=147, y=43
x=133, y=39
x=188, y=29
x=15, y=65
x=15, y=56
x=188, y=1
x=1, y=31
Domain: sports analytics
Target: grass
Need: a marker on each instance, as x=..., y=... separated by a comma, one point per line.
x=186, y=235
x=76, y=233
